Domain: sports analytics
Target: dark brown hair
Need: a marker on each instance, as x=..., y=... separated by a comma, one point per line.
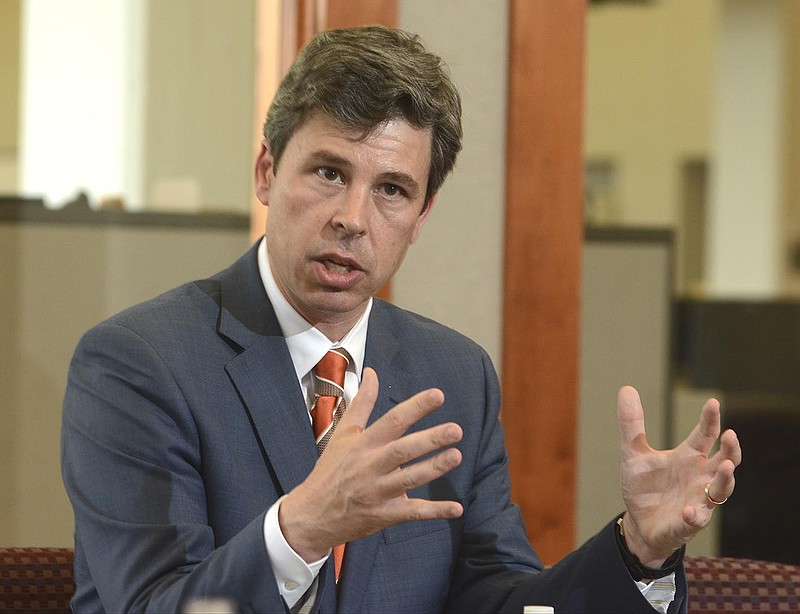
x=362, y=77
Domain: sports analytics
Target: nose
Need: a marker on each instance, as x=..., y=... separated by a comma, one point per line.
x=352, y=211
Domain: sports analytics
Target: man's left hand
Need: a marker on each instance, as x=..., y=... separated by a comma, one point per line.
x=665, y=490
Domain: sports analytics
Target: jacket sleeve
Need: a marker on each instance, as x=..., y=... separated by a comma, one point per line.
x=132, y=466
x=591, y=579
x=497, y=570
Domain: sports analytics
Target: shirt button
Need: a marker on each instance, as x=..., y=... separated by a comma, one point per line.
x=290, y=585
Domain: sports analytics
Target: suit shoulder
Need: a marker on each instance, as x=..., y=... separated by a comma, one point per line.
x=191, y=301
x=174, y=321
x=173, y=306
x=410, y=327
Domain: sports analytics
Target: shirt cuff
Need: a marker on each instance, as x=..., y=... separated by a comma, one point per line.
x=293, y=575
x=659, y=593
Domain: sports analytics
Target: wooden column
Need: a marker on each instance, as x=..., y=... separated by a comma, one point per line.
x=349, y=13
x=269, y=25
x=544, y=229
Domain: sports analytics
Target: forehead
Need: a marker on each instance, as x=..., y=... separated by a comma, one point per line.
x=394, y=142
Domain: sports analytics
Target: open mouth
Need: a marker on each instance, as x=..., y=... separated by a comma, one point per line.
x=338, y=267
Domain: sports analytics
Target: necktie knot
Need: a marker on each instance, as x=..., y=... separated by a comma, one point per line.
x=330, y=370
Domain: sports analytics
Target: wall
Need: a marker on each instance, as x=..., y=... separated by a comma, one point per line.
x=9, y=93
x=198, y=141
x=147, y=101
x=459, y=254
x=649, y=99
x=79, y=113
x=650, y=70
x=453, y=273
x=747, y=183
x=649, y=93
x=790, y=223
x=623, y=342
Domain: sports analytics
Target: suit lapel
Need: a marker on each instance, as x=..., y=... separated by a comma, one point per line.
x=264, y=377
x=263, y=374
x=266, y=381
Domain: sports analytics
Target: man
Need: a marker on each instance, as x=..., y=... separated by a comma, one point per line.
x=198, y=457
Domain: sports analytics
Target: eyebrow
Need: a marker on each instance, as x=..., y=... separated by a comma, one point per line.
x=324, y=157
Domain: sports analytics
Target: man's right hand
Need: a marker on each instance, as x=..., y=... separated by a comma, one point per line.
x=358, y=486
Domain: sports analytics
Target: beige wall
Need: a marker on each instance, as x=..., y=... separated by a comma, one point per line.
x=170, y=101
x=649, y=80
x=790, y=235
x=454, y=272
x=9, y=93
x=747, y=184
x=623, y=342
x=652, y=72
x=649, y=99
x=198, y=144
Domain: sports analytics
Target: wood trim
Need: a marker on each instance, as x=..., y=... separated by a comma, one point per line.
x=269, y=72
x=544, y=229
x=311, y=20
x=349, y=13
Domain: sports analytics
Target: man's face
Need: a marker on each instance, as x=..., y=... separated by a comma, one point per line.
x=342, y=213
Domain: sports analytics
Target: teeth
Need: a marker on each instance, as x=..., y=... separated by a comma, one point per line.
x=335, y=267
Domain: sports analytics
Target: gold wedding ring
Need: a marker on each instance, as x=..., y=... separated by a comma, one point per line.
x=711, y=499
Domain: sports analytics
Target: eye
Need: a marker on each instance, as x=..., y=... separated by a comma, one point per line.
x=329, y=174
x=390, y=189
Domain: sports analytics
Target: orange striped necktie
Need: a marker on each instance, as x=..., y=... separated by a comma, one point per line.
x=329, y=407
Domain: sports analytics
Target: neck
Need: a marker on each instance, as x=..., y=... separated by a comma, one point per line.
x=335, y=331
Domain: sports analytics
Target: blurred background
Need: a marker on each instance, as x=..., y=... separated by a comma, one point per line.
x=128, y=130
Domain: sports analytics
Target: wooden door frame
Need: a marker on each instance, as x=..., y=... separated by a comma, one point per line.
x=541, y=294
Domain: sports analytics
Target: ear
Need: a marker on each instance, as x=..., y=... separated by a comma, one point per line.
x=264, y=172
x=423, y=216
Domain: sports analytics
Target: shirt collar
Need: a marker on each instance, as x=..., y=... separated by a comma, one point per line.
x=307, y=345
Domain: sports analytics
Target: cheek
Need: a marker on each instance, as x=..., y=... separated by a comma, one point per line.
x=398, y=233
x=298, y=223
x=394, y=250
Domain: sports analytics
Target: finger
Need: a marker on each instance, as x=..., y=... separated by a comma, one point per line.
x=399, y=419
x=630, y=416
x=405, y=510
x=359, y=410
x=721, y=486
x=416, y=445
x=731, y=448
x=704, y=435
x=413, y=476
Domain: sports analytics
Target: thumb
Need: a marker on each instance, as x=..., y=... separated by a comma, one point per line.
x=630, y=416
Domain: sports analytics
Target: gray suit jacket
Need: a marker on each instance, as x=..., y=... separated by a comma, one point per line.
x=184, y=421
